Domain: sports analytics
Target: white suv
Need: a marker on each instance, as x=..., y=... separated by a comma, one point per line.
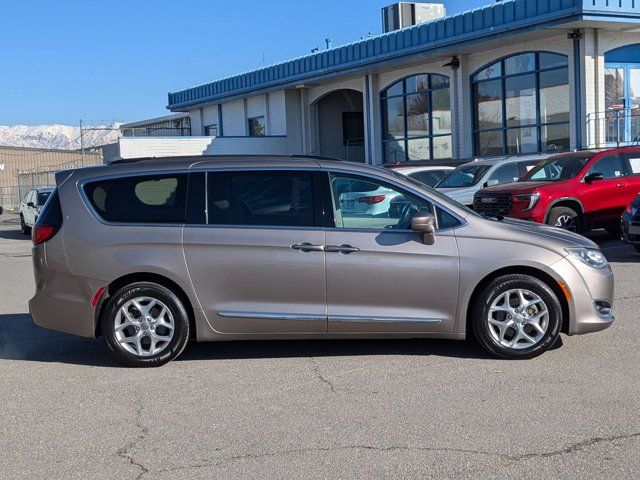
x=30, y=207
x=462, y=183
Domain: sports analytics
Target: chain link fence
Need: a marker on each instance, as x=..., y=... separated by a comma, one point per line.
x=26, y=180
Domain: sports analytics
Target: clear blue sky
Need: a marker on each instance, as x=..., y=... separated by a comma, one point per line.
x=64, y=60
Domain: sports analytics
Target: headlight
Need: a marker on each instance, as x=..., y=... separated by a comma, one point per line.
x=532, y=198
x=589, y=256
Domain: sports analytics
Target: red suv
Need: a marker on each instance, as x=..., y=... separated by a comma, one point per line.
x=576, y=191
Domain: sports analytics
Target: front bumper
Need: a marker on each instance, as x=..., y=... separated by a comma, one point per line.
x=588, y=288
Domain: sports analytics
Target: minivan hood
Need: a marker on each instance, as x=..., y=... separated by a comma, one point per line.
x=537, y=234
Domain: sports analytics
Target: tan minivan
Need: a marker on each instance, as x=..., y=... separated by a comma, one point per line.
x=151, y=253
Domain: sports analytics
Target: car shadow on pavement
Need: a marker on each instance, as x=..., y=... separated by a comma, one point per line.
x=331, y=348
x=13, y=235
x=21, y=339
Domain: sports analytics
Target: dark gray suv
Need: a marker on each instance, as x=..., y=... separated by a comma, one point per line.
x=154, y=252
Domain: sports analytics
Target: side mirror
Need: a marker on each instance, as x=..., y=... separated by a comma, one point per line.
x=491, y=183
x=425, y=223
x=593, y=177
x=30, y=204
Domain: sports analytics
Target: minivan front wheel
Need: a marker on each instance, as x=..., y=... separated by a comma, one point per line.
x=145, y=325
x=517, y=317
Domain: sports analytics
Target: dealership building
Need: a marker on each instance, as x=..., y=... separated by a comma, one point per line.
x=514, y=77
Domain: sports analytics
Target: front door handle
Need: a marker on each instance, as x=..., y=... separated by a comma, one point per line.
x=308, y=247
x=344, y=249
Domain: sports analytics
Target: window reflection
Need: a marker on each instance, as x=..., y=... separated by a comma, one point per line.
x=417, y=119
x=521, y=105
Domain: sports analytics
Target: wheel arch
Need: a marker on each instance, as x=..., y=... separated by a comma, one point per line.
x=570, y=202
x=541, y=275
x=130, y=278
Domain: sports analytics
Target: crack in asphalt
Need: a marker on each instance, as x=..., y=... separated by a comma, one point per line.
x=628, y=297
x=125, y=452
x=322, y=378
x=568, y=450
x=579, y=446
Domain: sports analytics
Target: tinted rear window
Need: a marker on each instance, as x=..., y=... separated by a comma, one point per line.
x=260, y=198
x=140, y=199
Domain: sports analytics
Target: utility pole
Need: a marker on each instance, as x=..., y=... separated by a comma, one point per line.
x=81, y=144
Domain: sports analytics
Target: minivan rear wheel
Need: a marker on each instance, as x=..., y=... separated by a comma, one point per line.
x=145, y=325
x=517, y=317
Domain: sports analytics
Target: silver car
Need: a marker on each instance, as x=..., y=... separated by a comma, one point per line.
x=462, y=183
x=152, y=253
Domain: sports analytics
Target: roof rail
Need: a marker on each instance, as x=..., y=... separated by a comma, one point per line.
x=318, y=157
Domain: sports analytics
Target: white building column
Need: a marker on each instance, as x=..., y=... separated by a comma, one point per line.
x=372, y=120
x=462, y=111
x=593, y=89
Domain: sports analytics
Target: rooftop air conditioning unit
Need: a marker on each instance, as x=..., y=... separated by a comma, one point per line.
x=405, y=14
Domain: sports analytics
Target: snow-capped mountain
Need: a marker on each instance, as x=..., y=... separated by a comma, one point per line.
x=57, y=136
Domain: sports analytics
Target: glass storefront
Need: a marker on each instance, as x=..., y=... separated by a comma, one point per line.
x=521, y=105
x=622, y=102
x=416, y=119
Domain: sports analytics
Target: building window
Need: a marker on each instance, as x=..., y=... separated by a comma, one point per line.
x=256, y=127
x=211, y=130
x=416, y=119
x=521, y=105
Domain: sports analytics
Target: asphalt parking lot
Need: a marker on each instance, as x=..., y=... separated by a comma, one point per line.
x=333, y=409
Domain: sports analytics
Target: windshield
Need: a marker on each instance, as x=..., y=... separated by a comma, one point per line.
x=465, y=176
x=555, y=169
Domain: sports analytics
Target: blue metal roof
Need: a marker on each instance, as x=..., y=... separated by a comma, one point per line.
x=482, y=23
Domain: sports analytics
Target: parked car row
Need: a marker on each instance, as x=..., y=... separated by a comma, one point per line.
x=575, y=191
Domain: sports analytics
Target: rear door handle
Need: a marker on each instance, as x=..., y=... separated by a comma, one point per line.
x=308, y=247
x=344, y=249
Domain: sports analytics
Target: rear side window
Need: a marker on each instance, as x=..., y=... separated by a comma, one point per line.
x=506, y=173
x=51, y=213
x=140, y=199
x=260, y=199
x=634, y=163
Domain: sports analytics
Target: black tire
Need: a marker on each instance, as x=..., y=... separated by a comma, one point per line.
x=172, y=349
x=482, y=304
x=558, y=214
x=23, y=226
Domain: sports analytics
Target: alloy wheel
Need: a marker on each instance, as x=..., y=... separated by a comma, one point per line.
x=566, y=222
x=518, y=319
x=144, y=326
